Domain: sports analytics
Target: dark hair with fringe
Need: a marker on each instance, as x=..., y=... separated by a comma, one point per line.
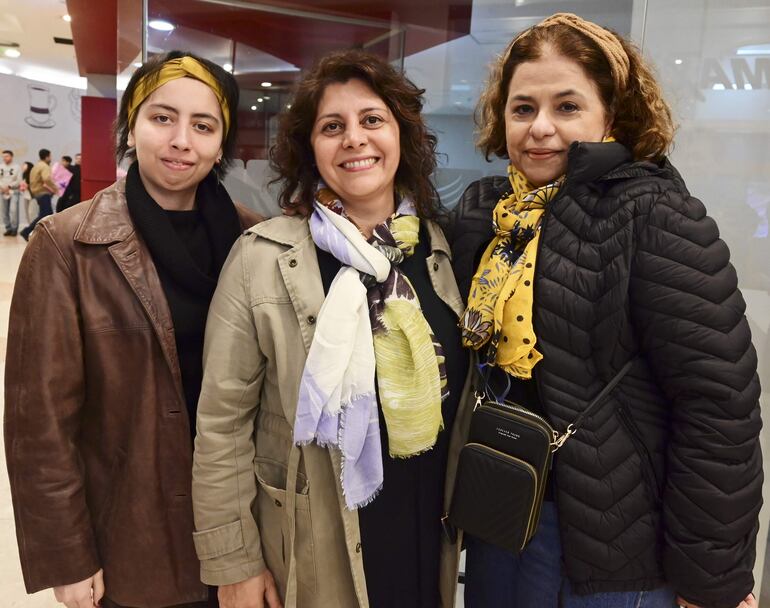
x=151, y=69
x=640, y=116
x=292, y=158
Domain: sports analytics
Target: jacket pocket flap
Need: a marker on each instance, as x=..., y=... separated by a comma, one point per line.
x=218, y=541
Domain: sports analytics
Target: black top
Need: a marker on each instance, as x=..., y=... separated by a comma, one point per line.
x=189, y=310
x=401, y=527
x=188, y=249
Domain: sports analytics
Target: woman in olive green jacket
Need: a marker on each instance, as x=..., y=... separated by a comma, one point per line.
x=285, y=510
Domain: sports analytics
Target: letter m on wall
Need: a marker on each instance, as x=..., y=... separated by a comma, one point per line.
x=758, y=78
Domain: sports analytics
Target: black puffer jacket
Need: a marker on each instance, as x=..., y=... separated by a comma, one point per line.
x=664, y=483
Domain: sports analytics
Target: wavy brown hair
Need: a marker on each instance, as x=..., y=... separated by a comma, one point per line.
x=292, y=158
x=640, y=117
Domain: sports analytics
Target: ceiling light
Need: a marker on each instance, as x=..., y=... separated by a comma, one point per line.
x=265, y=97
x=266, y=84
x=228, y=67
x=755, y=49
x=67, y=18
x=161, y=26
x=253, y=107
x=678, y=61
x=259, y=100
x=288, y=106
x=12, y=53
x=5, y=70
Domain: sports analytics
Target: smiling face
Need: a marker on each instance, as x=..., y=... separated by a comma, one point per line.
x=551, y=103
x=178, y=137
x=356, y=144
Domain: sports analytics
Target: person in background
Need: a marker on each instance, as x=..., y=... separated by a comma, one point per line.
x=592, y=254
x=42, y=187
x=61, y=174
x=27, y=204
x=103, y=366
x=71, y=195
x=312, y=483
x=10, y=180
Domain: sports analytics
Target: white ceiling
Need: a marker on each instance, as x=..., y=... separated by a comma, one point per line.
x=33, y=24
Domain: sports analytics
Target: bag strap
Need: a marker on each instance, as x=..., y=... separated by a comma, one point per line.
x=595, y=403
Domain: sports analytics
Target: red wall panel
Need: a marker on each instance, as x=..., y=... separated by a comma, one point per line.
x=98, y=114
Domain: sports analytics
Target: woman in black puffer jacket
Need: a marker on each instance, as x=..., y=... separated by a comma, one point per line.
x=592, y=253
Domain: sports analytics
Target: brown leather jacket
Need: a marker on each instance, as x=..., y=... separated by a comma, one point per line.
x=96, y=429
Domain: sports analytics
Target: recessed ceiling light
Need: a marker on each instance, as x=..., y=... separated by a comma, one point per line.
x=67, y=18
x=228, y=67
x=265, y=97
x=266, y=84
x=259, y=100
x=288, y=106
x=253, y=107
x=161, y=26
x=678, y=61
x=12, y=53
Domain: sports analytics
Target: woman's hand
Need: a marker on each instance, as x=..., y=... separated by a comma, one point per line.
x=85, y=594
x=256, y=592
x=748, y=602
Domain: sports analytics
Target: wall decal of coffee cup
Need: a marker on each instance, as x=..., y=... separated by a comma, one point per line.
x=74, y=99
x=42, y=103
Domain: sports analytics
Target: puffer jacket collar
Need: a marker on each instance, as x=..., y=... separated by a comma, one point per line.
x=590, y=162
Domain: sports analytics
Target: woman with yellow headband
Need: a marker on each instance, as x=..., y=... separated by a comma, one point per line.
x=591, y=254
x=104, y=352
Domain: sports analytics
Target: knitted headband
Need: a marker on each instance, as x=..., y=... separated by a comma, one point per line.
x=604, y=39
x=171, y=70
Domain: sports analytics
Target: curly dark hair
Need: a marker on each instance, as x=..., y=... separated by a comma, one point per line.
x=640, y=117
x=151, y=69
x=292, y=158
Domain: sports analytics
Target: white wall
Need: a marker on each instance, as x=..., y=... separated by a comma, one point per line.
x=25, y=131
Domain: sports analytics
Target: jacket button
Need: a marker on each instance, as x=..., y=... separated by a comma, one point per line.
x=358, y=547
x=311, y=320
x=292, y=263
x=435, y=265
x=277, y=503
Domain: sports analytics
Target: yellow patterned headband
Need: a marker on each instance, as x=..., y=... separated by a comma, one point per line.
x=604, y=39
x=178, y=68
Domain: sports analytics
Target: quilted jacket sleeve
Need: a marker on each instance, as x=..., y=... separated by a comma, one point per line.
x=689, y=315
x=227, y=538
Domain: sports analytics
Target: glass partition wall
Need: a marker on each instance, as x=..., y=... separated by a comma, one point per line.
x=713, y=59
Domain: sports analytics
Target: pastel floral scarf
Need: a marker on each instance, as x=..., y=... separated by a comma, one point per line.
x=370, y=321
x=500, y=302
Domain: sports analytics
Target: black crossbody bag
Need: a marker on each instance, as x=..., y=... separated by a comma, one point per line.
x=503, y=468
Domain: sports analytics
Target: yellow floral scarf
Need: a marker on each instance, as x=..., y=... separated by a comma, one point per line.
x=500, y=302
